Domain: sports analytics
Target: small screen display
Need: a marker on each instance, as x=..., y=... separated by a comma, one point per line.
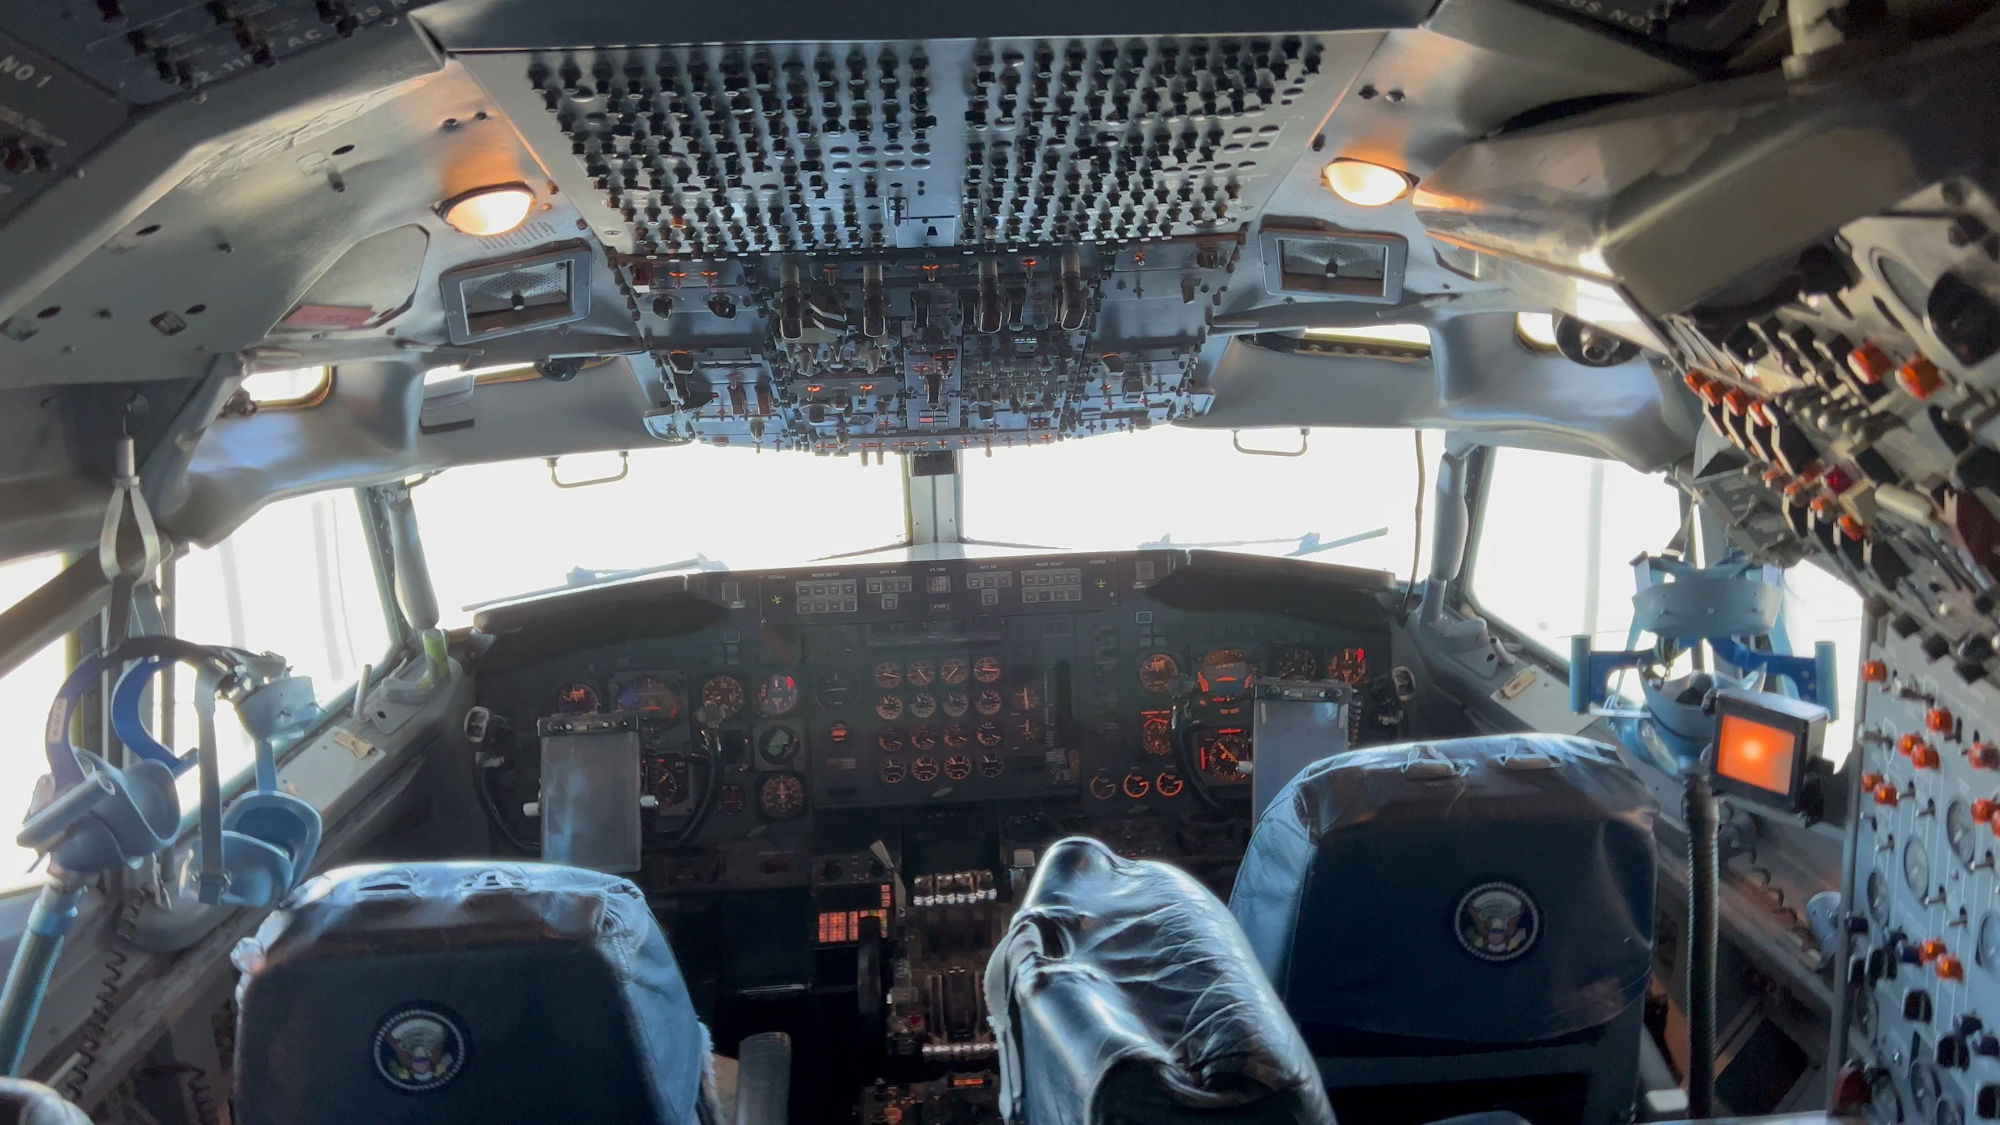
x=1756, y=754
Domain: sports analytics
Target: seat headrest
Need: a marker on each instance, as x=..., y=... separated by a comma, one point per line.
x=1385, y=889
x=469, y=991
x=1123, y=990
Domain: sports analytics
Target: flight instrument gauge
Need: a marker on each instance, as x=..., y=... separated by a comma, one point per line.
x=1028, y=729
x=988, y=734
x=721, y=699
x=782, y=796
x=1878, y=898
x=888, y=674
x=892, y=771
x=778, y=746
x=1169, y=784
x=958, y=767
x=953, y=670
x=1156, y=733
x=1225, y=673
x=890, y=740
x=1023, y=698
x=1223, y=754
x=1157, y=672
x=1917, y=869
x=924, y=769
x=986, y=669
x=923, y=739
x=1961, y=832
x=921, y=673
x=923, y=705
x=889, y=708
x=956, y=704
x=1103, y=788
x=1350, y=666
x=576, y=699
x=653, y=695
x=1987, y=952
x=956, y=737
x=1925, y=1087
x=991, y=766
x=987, y=702
x=777, y=696
x=1295, y=662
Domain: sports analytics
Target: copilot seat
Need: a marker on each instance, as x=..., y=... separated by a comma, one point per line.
x=1461, y=926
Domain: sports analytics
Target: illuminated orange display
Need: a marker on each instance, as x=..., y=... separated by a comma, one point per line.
x=1755, y=754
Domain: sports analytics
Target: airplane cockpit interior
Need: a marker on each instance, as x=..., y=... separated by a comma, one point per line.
x=1093, y=563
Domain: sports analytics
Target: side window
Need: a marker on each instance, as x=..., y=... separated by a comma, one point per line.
x=1557, y=537
x=295, y=579
x=25, y=694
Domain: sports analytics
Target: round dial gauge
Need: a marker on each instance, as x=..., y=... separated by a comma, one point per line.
x=1987, y=952
x=1295, y=662
x=721, y=699
x=958, y=767
x=653, y=695
x=1866, y=1014
x=953, y=670
x=778, y=746
x=986, y=669
x=1878, y=898
x=1136, y=785
x=1917, y=869
x=890, y=740
x=921, y=673
x=1157, y=672
x=663, y=777
x=653, y=727
x=782, y=796
x=956, y=737
x=1225, y=673
x=1961, y=832
x=1027, y=728
x=1156, y=734
x=1103, y=788
x=924, y=769
x=888, y=674
x=1885, y=1103
x=777, y=696
x=1023, y=698
x=1349, y=667
x=1169, y=784
x=890, y=707
x=1223, y=753
x=892, y=771
x=1925, y=1087
x=987, y=734
x=1949, y=1112
x=956, y=704
x=990, y=765
x=923, y=739
x=923, y=705
x=576, y=699
x=987, y=702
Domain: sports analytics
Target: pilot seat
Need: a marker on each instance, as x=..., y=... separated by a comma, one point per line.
x=1123, y=993
x=1460, y=926
x=475, y=992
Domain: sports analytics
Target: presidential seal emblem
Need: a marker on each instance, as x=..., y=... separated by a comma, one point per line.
x=1497, y=922
x=418, y=1050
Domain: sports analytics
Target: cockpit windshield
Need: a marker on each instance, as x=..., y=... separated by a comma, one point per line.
x=1343, y=496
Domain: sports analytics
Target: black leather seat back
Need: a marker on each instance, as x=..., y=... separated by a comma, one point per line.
x=1476, y=910
x=1124, y=992
x=465, y=992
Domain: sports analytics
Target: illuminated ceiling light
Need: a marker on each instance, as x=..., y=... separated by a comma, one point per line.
x=489, y=211
x=1537, y=329
x=1367, y=185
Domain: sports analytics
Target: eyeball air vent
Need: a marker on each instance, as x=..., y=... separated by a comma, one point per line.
x=517, y=294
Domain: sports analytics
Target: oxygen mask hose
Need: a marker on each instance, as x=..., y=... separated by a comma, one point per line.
x=1698, y=809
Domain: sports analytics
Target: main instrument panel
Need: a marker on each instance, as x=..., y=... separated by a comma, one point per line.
x=1117, y=681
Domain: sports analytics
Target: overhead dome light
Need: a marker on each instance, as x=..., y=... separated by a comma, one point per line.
x=489, y=211
x=1366, y=185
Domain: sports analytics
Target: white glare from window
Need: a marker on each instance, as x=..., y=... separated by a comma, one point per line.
x=1390, y=335
x=498, y=531
x=1349, y=499
x=296, y=387
x=1538, y=330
